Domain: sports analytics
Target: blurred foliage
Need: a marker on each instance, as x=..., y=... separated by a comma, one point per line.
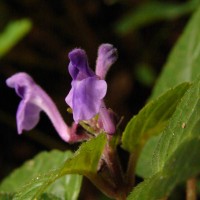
x=12, y=34
x=152, y=12
x=183, y=62
x=145, y=75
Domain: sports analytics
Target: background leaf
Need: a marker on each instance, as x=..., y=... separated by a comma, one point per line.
x=151, y=12
x=14, y=32
x=46, y=196
x=179, y=142
x=85, y=162
x=183, y=62
x=6, y=196
x=152, y=119
x=145, y=74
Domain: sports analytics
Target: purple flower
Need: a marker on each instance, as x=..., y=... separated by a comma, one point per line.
x=34, y=100
x=88, y=89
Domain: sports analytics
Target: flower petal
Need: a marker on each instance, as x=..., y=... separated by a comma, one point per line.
x=69, y=98
x=78, y=66
x=106, y=119
x=28, y=116
x=107, y=55
x=86, y=97
x=34, y=100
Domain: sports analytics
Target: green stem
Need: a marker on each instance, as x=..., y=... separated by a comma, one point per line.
x=112, y=161
x=130, y=173
x=114, y=166
x=103, y=185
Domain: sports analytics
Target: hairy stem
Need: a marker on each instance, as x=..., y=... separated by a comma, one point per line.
x=103, y=185
x=114, y=166
x=130, y=173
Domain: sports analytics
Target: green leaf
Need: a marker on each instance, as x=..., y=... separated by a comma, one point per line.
x=143, y=166
x=177, y=169
x=65, y=187
x=86, y=159
x=14, y=32
x=176, y=157
x=183, y=125
x=152, y=12
x=85, y=162
x=183, y=62
x=152, y=119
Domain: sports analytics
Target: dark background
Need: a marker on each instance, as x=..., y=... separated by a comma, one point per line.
x=58, y=27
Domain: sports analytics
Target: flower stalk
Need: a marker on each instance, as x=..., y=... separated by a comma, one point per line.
x=191, y=189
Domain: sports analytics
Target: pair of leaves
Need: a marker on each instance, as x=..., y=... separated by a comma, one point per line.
x=182, y=66
x=54, y=184
x=176, y=152
x=176, y=157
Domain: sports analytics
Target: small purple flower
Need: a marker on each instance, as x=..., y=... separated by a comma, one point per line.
x=88, y=89
x=34, y=100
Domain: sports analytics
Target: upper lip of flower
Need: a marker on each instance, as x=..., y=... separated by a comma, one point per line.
x=78, y=67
